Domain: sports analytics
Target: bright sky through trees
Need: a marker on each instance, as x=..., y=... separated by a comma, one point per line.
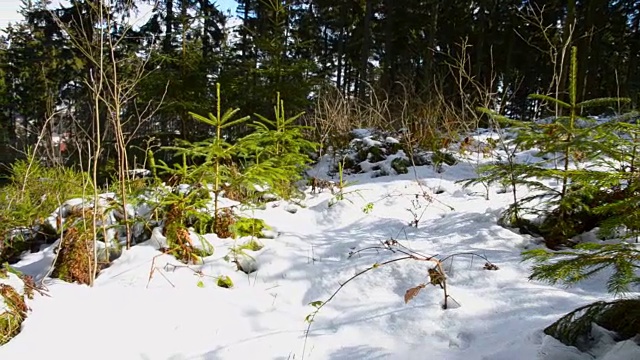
x=9, y=10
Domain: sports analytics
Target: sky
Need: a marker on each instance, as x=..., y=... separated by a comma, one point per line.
x=9, y=10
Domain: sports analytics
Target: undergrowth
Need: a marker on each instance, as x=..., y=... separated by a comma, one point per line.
x=32, y=193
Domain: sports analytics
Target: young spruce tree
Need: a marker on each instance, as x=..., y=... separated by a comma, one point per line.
x=562, y=197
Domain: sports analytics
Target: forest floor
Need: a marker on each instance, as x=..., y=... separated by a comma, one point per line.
x=179, y=313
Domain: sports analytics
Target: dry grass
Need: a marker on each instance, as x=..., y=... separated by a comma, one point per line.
x=426, y=122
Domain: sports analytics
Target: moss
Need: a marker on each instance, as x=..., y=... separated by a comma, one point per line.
x=421, y=159
x=248, y=227
x=11, y=320
x=440, y=157
x=361, y=155
x=75, y=261
x=351, y=164
x=394, y=147
x=376, y=154
x=252, y=245
x=225, y=282
x=10, y=324
x=224, y=223
x=400, y=165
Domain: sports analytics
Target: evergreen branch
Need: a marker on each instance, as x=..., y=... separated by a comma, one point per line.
x=550, y=99
x=602, y=102
x=580, y=265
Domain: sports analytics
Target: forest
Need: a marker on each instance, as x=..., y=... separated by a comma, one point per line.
x=467, y=157
x=425, y=57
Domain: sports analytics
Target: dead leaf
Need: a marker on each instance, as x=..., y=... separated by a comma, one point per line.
x=413, y=292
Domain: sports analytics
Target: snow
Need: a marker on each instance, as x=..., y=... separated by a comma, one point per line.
x=147, y=305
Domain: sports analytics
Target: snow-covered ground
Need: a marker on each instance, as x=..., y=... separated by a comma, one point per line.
x=501, y=314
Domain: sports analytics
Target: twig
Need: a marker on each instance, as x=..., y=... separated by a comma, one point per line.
x=310, y=318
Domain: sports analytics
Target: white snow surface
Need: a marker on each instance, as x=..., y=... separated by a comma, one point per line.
x=501, y=314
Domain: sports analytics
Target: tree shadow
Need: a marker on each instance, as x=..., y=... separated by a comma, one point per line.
x=359, y=352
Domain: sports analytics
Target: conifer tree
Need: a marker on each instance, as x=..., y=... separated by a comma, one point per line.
x=566, y=140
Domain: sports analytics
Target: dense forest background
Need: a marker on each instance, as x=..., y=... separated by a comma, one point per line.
x=414, y=55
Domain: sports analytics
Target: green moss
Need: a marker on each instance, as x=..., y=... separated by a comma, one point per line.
x=251, y=245
x=225, y=282
x=10, y=324
x=248, y=227
x=440, y=157
x=75, y=261
x=11, y=320
x=376, y=154
x=362, y=154
x=351, y=164
x=394, y=147
x=400, y=165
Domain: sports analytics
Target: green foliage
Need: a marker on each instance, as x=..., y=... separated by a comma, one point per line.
x=273, y=156
x=31, y=195
x=186, y=209
x=565, y=211
x=225, y=282
x=244, y=226
x=12, y=317
x=75, y=261
x=204, y=162
x=586, y=260
x=251, y=245
x=400, y=165
x=367, y=209
x=440, y=157
x=276, y=153
x=620, y=316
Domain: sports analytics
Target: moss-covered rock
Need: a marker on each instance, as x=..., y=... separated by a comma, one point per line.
x=13, y=308
x=393, y=146
x=440, y=157
x=376, y=154
x=400, y=165
x=76, y=258
x=10, y=324
x=75, y=262
x=248, y=227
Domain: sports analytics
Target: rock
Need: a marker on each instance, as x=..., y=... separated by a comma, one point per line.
x=291, y=209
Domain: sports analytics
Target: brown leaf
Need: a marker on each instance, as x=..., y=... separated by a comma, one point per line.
x=413, y=292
